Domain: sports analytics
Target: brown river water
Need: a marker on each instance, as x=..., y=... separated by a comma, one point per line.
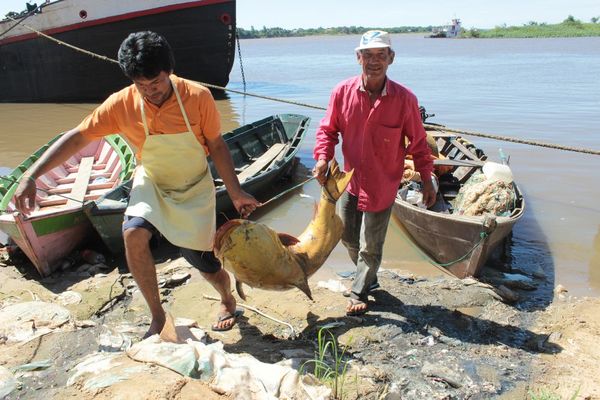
x=539, y=89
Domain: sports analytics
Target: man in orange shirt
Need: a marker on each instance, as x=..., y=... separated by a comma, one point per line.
x=173, y=123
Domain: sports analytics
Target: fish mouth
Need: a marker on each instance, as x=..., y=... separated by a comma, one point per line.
x=224, y=231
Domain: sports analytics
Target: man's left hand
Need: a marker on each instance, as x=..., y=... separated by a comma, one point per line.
x=245, y=204
x=429, y=193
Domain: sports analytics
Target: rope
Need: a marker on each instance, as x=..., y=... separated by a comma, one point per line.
x=482, y=236
x=239, y=48
x=13, y=180
x=287, y=191
x=60, y=42
x=306, y=105
x=441, y=266
x=29, y=14
x=293, y=333
x=516, y=140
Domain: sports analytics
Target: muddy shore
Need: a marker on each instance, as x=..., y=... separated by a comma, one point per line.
x=424, y=338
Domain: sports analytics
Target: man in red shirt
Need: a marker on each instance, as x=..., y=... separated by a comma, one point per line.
x=375, y=117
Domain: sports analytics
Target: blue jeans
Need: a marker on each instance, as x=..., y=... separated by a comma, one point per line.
x=363, y=237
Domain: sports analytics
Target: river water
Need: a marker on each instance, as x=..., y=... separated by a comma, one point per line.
x=539, y=89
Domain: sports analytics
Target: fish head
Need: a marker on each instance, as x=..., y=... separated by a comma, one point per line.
x=223, y=234
x=260, y=257
x=337, y=180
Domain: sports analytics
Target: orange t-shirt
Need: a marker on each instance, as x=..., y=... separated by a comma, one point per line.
x=121, y=113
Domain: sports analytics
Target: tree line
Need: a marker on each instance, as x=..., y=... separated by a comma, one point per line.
x=265, y=32
x=569, y=27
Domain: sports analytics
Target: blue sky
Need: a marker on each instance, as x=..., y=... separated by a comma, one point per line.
x=389, y=13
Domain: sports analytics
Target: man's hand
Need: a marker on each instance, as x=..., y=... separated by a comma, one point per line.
x=320, y=171
x=25, y=195
x=245, y=204
x=429, y=193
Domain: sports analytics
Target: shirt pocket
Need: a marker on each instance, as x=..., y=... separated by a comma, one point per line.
x=387, y=144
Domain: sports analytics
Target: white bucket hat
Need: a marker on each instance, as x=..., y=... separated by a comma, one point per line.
x=374, y=40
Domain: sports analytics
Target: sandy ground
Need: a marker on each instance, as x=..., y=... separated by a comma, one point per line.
x=574, y=325
x=434, y=337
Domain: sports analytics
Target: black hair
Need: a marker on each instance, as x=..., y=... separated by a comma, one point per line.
x=145, y=55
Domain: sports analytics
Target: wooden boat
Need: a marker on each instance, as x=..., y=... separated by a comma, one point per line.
x=57, y=225
x=460, y=243
x=262, y=153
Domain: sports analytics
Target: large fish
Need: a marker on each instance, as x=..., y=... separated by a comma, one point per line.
x=262, y=258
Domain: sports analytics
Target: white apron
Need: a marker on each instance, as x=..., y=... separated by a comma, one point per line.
x=173, y=189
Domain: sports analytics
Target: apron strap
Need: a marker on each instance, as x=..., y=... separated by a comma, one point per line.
x=144, y=115
x=185, y=117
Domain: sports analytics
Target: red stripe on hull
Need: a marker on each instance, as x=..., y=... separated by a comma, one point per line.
x=116, y=18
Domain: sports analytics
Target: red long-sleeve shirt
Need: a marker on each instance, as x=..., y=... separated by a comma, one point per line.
x=373, y=139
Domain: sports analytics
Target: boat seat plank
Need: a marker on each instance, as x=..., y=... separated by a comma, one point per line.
x=261, y=162
x=80, y=186
x=440, y=134
x=463, y=149
x=458, y=163
x=96, y=167
x=71, y=178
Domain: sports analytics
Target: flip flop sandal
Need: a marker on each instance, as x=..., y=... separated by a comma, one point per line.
x=354, y=303
x=226, y=317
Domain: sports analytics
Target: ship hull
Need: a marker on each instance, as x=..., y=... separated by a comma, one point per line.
x=36, y=69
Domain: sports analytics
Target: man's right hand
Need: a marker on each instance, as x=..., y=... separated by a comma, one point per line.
x=320, y=171
x=25, y=195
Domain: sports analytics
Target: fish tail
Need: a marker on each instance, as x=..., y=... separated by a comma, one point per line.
x=337, y=180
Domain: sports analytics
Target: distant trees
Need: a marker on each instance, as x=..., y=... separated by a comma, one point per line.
x=570, y=27
x=265, y=32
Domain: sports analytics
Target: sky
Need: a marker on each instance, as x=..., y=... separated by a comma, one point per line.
x=291, y=14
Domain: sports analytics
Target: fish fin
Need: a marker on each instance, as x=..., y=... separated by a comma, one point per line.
x=287, y=240
x=305, y=288
x=240, y=289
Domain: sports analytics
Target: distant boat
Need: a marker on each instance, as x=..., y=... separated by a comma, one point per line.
x=461, y=243
x=262, y=152
x=450, y=31
x=57, y=225
x=37, y=69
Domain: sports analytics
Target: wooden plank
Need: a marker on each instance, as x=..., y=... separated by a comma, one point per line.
x=458, y=163
x=442, y=134
x=77, y=194
x=261, y=162
x=463, y=149
x=280, y=156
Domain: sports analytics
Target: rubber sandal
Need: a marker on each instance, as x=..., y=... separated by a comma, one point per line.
x=353, y=303
x=225, y=317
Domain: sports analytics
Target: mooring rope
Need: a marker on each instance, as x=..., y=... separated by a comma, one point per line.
x=245, y=93
x=29, y=14
x=60, y=42
x=239, y=48
x=515, y=140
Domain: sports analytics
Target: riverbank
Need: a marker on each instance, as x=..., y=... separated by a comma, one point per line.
x=423, y=338
x=570, y=27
